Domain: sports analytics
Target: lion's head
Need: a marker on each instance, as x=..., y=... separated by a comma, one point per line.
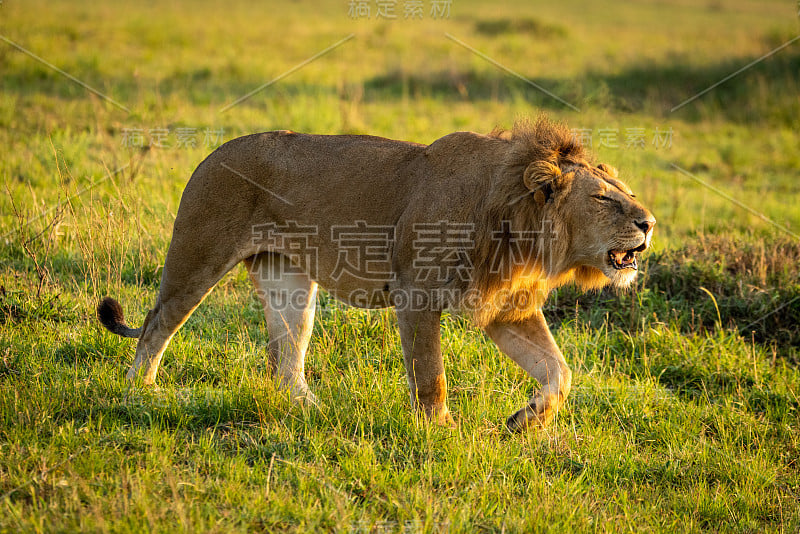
x=604, y=227
x=559, y=220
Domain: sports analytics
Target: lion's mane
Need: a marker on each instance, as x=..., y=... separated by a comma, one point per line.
x=508, y=289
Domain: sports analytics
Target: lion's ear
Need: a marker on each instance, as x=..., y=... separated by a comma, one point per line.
x=608, y=169
x=539, y=177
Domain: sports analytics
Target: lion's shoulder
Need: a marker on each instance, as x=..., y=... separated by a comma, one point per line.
x=466, y=146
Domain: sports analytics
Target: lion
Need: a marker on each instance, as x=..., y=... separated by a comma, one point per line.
x=482, y=225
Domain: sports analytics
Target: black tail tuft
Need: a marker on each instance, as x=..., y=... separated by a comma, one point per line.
x=110, y=314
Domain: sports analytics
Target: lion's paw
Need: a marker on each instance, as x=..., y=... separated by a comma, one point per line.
x=533, y=415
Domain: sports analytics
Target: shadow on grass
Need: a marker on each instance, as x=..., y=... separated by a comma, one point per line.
x=528, y=26
x=767, y=90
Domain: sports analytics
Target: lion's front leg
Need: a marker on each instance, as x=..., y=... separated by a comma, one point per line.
x=531, y=345
x=419, y=335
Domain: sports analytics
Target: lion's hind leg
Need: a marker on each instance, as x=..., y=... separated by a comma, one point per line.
x=175, y=303
x=289, y=300
x=191, y=270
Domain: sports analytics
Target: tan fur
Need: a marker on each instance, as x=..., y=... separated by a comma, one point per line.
x=534, y=215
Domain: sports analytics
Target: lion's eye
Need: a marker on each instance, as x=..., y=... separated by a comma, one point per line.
x=602, y=198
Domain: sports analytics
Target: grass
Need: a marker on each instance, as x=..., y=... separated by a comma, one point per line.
x=684, y=411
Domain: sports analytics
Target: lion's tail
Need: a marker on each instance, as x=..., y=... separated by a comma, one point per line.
x=110, y=314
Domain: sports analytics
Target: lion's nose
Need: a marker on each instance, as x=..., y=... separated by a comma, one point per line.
x=646, y=224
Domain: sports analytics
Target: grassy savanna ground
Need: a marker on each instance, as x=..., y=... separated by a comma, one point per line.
x=684, y=411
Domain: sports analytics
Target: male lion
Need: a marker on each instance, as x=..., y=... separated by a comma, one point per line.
x=484, y=225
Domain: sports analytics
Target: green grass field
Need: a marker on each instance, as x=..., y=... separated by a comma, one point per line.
x=684, y=413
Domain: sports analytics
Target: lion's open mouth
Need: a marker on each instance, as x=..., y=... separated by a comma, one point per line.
x=625, y=259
